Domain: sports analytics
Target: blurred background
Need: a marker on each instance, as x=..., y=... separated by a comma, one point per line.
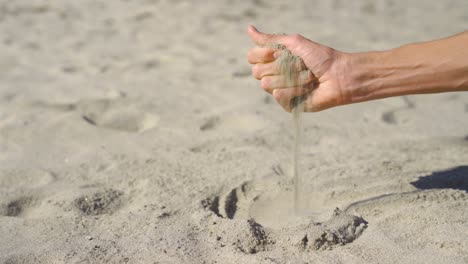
x=182, y=62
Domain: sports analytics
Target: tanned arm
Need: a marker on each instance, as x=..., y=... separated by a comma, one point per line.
x=429, y=67
x=339, y=78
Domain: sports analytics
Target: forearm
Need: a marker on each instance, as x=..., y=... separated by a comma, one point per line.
x=430, y=67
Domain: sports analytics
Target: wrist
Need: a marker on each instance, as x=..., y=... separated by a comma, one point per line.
x=363, y=75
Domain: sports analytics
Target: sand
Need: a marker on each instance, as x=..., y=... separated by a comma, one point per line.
x=132, y=132
x=287, y=64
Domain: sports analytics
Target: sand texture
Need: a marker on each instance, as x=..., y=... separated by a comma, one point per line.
x=133, y=132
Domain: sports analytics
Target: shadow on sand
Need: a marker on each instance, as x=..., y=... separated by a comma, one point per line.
x=454, y=178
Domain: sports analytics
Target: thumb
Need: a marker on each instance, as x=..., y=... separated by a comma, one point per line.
x=261, y=38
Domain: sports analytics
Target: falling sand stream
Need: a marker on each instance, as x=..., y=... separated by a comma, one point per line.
x=284, y=204
x=287, y=63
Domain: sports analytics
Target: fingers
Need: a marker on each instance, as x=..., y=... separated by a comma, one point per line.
x=260, y=55
x=313, y=100
x=304, y=78
x=262, y=39
x=285, y=96
x=261, y=70
x=322, y=99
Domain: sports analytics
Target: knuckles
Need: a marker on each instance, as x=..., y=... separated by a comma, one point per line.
x=296, y=38
x=265, y=83
x=251, y=56
x=256, y=72
x=282, y=100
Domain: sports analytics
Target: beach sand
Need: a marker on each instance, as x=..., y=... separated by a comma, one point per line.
x=132, y=132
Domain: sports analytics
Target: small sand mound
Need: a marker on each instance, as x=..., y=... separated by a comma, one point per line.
x=252, y=239
x=340, y=230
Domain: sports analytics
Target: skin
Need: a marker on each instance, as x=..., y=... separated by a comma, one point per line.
x=332, y=78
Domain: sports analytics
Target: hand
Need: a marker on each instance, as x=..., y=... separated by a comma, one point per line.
x=323, y=71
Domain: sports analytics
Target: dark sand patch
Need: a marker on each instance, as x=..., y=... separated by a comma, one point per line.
x=100, y=202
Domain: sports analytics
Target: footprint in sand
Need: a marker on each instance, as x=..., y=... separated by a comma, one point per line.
x=17, y=207
x=24, y=206
x=269, y=201
x=117, y=114
x=266, y=205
